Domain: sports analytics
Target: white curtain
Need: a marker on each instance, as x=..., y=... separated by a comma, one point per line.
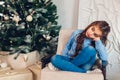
x=109, y=10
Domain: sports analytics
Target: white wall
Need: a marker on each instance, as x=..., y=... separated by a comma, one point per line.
x=67, y=12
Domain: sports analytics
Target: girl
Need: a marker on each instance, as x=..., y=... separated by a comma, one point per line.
x=79, y=54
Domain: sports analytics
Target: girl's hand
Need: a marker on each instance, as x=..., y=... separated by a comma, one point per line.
x=96, y=38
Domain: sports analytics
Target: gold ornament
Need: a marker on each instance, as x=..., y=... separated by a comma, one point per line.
x=11, y=42
x=16, y=18
x=6, y=17
x=48, y=37
x=29, y=18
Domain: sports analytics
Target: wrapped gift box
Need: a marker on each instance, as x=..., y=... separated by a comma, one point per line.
x=21, y=74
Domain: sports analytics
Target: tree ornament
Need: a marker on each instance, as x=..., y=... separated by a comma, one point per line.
x=11, y=42
x=6, y=17
x=28, y=38
x=30, y=10
x=30, y=0
x=47, y=0
x=48, y=37
x=16, y=19
x=2, y=2
x=1, y=14
x=29, y=18
x=22, y=25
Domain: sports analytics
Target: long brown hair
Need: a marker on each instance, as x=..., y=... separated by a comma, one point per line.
x=103, y=26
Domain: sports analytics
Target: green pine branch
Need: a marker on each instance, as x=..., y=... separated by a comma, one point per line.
x=28, y=25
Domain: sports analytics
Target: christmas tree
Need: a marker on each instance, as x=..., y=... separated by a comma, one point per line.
x=28, y=25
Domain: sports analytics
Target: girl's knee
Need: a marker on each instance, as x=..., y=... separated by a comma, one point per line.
x=55, y=59
x=90, y=49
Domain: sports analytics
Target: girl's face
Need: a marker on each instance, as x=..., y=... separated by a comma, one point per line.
x=93, y=32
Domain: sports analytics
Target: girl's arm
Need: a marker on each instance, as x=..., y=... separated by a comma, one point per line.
x=70, y=42
x=102, y=52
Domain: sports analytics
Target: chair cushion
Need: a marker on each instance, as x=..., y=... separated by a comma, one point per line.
x=47, y=74
x=63, y=38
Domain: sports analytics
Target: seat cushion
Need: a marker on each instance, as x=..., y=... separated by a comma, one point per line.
x=47, y=74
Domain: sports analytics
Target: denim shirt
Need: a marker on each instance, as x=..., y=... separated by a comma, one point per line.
x=69, y=49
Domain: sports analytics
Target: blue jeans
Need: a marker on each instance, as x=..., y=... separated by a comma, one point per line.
x=81, y=63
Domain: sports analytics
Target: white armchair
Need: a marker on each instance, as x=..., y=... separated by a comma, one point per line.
x=47, y=74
